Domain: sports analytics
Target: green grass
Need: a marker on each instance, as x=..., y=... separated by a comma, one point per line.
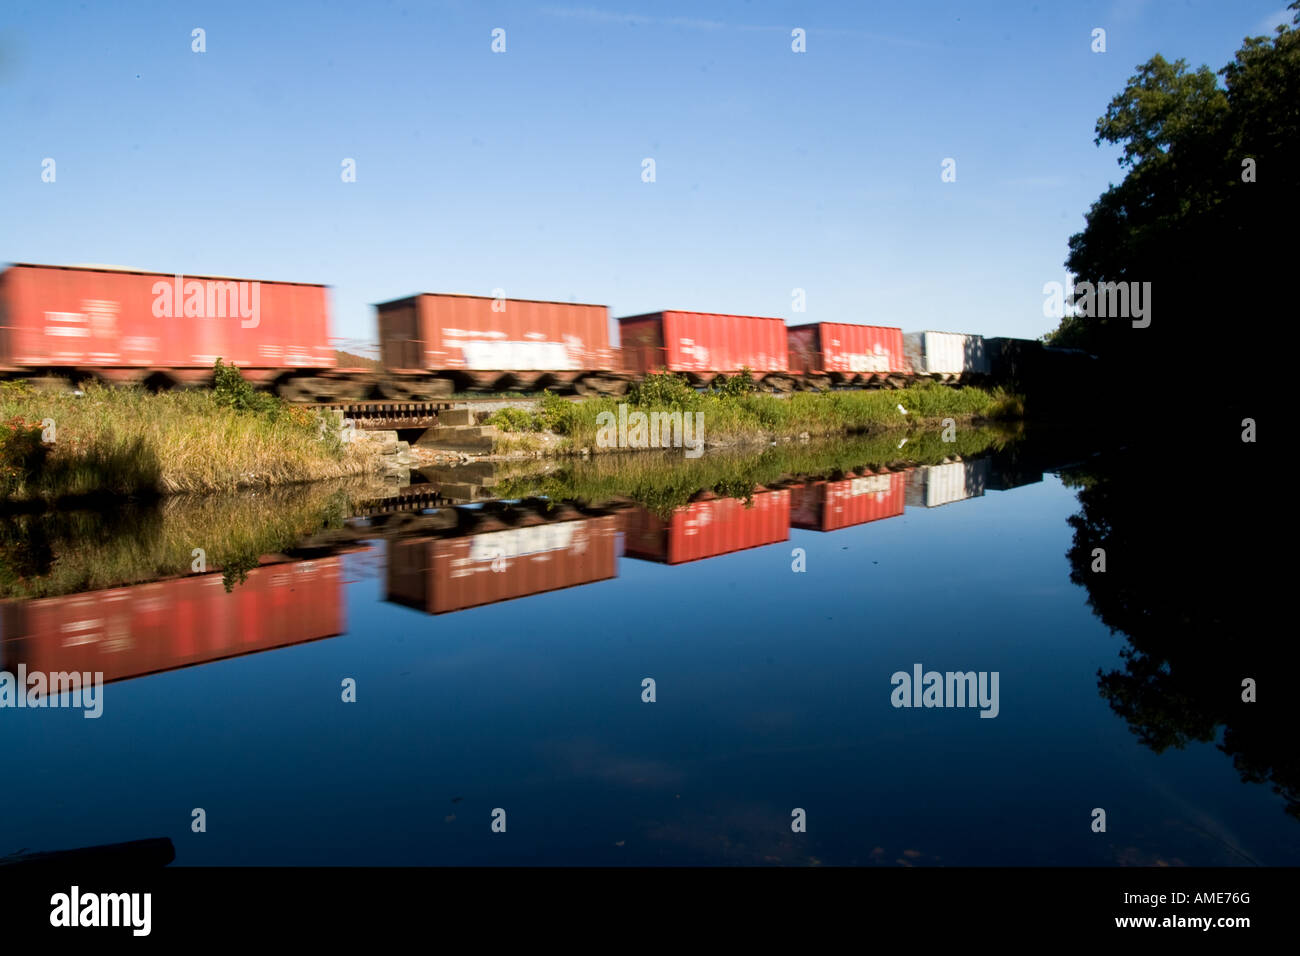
x=733, y=415
x=129, y=441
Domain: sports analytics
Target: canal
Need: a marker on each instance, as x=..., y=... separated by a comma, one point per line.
x=653, y=661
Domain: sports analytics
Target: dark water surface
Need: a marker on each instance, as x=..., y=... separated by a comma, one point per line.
x=773, y=692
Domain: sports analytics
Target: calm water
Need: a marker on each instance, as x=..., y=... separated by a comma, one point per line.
x=773, y=692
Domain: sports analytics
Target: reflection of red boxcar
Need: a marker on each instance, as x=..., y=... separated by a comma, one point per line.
x=831, y=505
x=706, y=529
x=485, y=342
x=438, y=575
x=129, y=325
x=847, y=353
x=131, y=631
x=701, y=345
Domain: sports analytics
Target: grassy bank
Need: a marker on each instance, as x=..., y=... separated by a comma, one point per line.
x=735, y=415
x=128, y=441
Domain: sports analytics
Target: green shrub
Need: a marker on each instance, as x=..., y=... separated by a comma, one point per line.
x=514, y=420
x=742, y=383
x=232, y=390
x=556, y=414
x=664, y=391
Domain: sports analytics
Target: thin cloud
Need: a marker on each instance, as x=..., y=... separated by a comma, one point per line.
x=1271, y=22
x=592, y=15
x=1036, y=182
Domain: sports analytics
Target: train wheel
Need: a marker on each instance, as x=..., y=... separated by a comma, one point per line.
x=348, y=390
x=396, y=390
x=295, y=390
x=435, y=389
x=326, y=389
x=56, y=384
x=159, y=382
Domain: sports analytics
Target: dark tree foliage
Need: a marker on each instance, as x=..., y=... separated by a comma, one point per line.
x=1217, y=249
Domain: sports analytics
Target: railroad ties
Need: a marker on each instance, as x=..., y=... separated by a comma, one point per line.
x=424, y=510
x=380, y=416
x=410, y=498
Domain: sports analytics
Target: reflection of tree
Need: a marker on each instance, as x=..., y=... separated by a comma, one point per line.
x=1187, y=582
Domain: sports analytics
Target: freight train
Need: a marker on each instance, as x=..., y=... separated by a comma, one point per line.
x=64, y=324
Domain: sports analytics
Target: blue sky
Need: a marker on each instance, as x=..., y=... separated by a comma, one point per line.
x=522, y=170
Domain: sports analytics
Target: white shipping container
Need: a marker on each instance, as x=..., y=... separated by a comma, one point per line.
x=946, y=353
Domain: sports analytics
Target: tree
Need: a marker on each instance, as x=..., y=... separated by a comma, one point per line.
x=1214, y=246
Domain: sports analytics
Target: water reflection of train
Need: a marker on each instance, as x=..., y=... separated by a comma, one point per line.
x=708, y=527
x=930, y=486
x=131, y=631
x=493, y=554
x=831, y=505
x=438, y=574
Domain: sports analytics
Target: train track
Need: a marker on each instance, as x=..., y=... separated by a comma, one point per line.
x=386, y=415
x=371, y=415
x=381, y=414
x=411, y=498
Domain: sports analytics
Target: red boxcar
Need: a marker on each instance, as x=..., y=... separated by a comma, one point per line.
x=501, y=343
x=437, y=575
x=128, y=326
x=708, y=528
x=843, y=354
x=831, y=505
x=131, y=631
x=703, y=345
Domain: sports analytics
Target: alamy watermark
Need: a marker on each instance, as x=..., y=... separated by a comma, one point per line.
x=951, y=689
x=1105, y=300
x=210, y=299
x=75, y=908
x=39, y=689
x=653, y=430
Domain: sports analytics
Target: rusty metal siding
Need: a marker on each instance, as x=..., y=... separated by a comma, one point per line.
x=465, y=333
x=642, y=342
x=706, y=342
x=400, y=343
x=855, y=349
x=803, y=344
x=95, y=318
